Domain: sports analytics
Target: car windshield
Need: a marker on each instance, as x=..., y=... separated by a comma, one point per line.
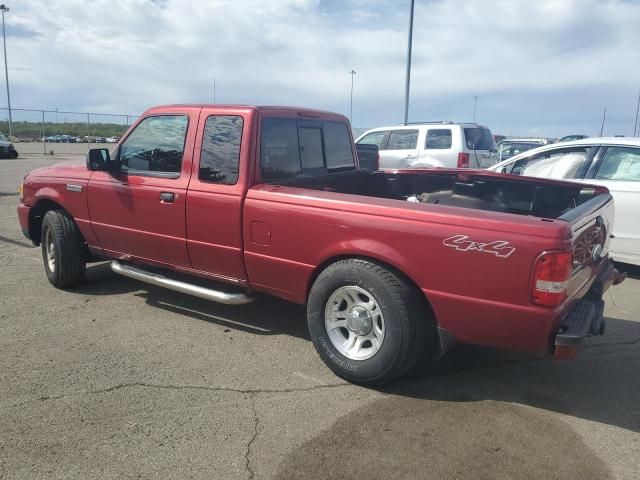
x=3, y=138
x=479, y=138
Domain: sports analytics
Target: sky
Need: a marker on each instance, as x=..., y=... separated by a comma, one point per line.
x=543, y=67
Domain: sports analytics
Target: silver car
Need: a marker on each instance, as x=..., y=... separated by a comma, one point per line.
x=433, y=144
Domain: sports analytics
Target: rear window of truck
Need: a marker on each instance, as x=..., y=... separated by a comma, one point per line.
x=292, y=147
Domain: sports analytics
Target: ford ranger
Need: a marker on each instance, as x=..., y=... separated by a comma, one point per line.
x=394, y=266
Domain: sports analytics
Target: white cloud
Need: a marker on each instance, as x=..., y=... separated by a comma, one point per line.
x=530, y=62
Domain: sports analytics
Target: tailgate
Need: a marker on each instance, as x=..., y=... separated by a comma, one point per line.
x=591, y=224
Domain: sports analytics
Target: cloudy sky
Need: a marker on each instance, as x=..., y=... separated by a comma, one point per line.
x=544, y=67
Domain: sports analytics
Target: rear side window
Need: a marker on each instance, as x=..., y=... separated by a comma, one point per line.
x=338, y=146
x=479, y=138
x=558, y=164
x=438, y=139
x=374, y=138
x=620, y=164
x=403, y=140
x=291, y=147
x=155, y=145
x=220, y=156
x=279, y=150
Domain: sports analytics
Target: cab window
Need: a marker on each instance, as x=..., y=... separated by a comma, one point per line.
x=292, y=147
x=220, y=155
x=156, y=145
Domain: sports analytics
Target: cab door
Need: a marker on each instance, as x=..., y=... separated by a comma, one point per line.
x=138, y=210
x=216, y=194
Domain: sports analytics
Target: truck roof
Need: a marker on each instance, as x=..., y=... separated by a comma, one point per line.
x=271, y=109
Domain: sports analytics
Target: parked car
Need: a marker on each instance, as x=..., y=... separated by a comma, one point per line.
x=436, y=144
x=610, y=162
x=392, y=265
x=571, y=138
x=510, y=147
x=111, y=140
x=7, y=150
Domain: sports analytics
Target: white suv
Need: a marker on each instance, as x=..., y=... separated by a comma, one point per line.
x=433, y=144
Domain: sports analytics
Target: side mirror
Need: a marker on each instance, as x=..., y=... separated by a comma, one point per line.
x=98, y=159
x=368, y=157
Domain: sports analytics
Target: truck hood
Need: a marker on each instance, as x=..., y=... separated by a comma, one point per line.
x=76, y=169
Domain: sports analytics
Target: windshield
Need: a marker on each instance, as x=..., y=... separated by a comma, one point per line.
x=479, y=138
x=3, y=138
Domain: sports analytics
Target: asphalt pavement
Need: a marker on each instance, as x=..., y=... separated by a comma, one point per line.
x=119, y=379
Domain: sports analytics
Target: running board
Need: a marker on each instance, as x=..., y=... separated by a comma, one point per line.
x=183, y=287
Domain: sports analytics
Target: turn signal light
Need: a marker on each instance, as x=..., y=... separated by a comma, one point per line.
x=551, y=278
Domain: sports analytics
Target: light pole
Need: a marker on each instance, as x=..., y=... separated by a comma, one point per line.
x=352, y=72
x=4, y=9
x=604, y=117
x=635, y=124
x=408, y=74
x=475, y=102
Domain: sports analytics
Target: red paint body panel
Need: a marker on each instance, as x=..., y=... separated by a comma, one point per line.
x=273, y=238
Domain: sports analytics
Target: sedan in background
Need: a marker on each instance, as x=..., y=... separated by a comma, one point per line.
x=611, y=162
x=571, y=138
x=512, y=147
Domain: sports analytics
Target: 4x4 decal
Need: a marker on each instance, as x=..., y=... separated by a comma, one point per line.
x=462, y=243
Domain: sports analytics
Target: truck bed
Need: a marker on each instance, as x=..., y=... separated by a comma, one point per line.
x=470, y=189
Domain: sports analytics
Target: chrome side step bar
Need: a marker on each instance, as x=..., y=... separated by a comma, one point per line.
x=178, y=286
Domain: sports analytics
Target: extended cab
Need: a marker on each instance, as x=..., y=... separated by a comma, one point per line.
x=392, y=265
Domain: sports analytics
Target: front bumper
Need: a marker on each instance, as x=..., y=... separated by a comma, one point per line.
x=23, y=216
x=586, y=318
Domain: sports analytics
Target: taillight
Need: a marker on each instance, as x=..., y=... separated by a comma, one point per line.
x=463, y=160
x=551, y=278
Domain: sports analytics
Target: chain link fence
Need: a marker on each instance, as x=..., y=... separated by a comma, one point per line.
x=54, y=132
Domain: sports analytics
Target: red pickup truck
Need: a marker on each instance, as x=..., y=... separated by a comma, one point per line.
x=392, y=265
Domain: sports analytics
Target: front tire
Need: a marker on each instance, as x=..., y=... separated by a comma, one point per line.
x=366, y=321
x=62, y=249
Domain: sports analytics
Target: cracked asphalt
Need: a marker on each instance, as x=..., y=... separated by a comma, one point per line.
x=118, y=379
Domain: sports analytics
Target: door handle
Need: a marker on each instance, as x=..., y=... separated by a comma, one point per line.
x=167, y=197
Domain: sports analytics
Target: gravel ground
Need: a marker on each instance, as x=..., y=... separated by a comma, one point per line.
x=118, y=379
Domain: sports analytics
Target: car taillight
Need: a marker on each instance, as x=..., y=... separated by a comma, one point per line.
x=551, y=278
x=463, y=160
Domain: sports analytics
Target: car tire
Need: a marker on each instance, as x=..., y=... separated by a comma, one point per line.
x=350, y=296
x=14, y=154
x=63, y=249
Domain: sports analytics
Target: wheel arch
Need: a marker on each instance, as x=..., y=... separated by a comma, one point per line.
x=36, y=215
x=383, y=263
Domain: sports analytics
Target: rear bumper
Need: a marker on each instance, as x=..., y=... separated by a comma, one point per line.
x=586, y=317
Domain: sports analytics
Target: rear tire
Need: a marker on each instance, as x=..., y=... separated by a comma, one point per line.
x=13, y=154
x=366, y=321
x=62, y=249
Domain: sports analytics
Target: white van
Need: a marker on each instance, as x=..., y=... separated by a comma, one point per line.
x=433, y=144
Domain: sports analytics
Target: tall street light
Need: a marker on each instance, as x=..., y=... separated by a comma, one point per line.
x=475, y=102
x=408, y=74
x=352, y=72
x=4, y=9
